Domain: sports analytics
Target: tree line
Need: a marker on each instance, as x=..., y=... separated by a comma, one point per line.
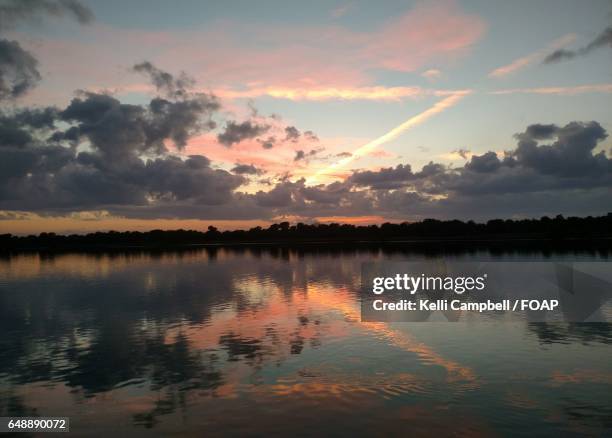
x=557, y=228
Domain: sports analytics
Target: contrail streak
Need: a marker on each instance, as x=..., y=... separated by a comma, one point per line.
x=394, y=133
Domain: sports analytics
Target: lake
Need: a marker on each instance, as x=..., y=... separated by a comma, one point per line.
x=258, y=341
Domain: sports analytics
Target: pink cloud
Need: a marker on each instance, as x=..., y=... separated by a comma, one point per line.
x=239, y=55
x=334, y=55
x=276, y=161
x=429, y=32
x=559, y=91
x=378, y=93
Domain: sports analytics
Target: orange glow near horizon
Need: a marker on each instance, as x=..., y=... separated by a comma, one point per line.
x=72, y=225
x=68, y=225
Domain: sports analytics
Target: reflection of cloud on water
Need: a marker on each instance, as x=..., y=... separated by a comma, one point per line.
x=400, y=339
x=222, y=330
x=558, y=378
x=343, y=385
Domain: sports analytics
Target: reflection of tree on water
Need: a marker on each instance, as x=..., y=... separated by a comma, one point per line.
x=103, y=335
x=12, y=405
x=587, y=418
x=133, y=327
x=238, y=348
x=568, y=333
x=176, y=368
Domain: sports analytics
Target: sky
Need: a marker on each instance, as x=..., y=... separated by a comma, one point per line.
x=141, y=115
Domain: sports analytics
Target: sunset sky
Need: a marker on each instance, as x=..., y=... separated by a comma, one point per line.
x=140, y=115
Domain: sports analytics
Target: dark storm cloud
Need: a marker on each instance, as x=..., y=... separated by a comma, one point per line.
x=332, y=194
x=43, y=170
x=540, y=132
x=485, y=163
x=395, y=177
x=567, y=161
x=237, y=132
x=402, y=205
x=17, y=128
x=553, y=169
x=246, y=169
x=386, y=178
x=117, y=129
x=55, y=178
x=571, y=155
x=18, y=70
x=182, y=119
x=16, y=163
x=190, y=179
x=279, y=196
x=604, y=39
x=15, y=11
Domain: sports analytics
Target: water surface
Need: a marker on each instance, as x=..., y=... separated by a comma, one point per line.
x=259, y=341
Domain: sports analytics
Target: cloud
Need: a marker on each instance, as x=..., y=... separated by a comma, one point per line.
x=292, y=134
x=604, y=39
x=485, y=163
x=432, y=74
x=98, y=151
x=552, y=169
x=237, y=132
x=18, y=70
x=571, y=155
x=429, y=32
x=408, y=124
x=539, y=131
x=246, y=58
x=16, y=128
x=317, y=93
x=311, y=136
x=246, y=169
x=524, y=61
x=117, y=129
x=559, y=91
x=267, y=143
x=57, y=178
x=164, y=81
x=386, y=178
x=15, y=11
x=463, y=153
x=279, y=196
x=301, y=155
